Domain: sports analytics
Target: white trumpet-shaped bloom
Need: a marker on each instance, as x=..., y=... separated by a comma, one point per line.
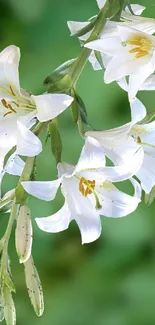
x=131, y=53
x=120, y=144
x=19, y=109
x=88, y=192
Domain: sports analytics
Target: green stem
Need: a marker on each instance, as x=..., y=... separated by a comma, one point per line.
x=6, y=237
x=83, y=57
x=13, y=215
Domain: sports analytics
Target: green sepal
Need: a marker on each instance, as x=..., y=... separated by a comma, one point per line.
x=149, y=198
x=60, y=80
x=56, y=143
x=115, y=9
x=75, y=111
x=99, y=59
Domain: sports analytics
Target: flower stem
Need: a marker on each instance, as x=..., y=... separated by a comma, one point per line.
x=6, y=237
x=83, y=57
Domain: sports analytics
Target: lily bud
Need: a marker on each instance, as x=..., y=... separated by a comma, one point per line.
x=60, y=80
x=9, y=307
x=1, y=307
x=34, y=286
x=23, y=235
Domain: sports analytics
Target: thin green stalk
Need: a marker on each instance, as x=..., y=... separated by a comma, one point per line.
x=83, y=57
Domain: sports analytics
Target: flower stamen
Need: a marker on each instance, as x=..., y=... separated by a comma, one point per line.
x=143, y=46
x=12, y=92
x=86, y=186
x=7, y=106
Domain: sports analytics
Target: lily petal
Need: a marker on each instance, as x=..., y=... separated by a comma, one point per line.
x=92, y=155
x=136, y=80
x=101, y=3
x=14, y=165
x=75, y=26
x=110, y=138
x=56, y=222
x=9, y=62
x=82, y=210
x=50, y=106
x=147, y=174
x=137, y=9
x=115, y=203
x=138, y=110
x=149, y=83
x=108, y=45
x=28, y=144
x=124, y=171
x=42, y=190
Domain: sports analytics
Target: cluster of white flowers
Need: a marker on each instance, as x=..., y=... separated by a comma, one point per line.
x=128, y=50
x=125, y=51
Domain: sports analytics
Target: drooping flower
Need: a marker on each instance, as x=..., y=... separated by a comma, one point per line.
x=121, y=143
x=127, y=19
x=131, y=53
x=88, y=192
x=19, y=109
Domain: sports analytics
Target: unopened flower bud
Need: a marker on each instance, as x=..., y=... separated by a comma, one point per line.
x=24, y=234
x=9, y=307
x=34, y=286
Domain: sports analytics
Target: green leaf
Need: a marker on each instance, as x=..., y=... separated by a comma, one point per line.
x=149, y=198
x=56, y=143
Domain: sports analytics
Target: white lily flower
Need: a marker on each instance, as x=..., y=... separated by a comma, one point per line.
x=132, y=54
x=88, y=192
x=121, y=143
x=13, y=166
x=143, y=24
x=18, y=108
x=148, y=84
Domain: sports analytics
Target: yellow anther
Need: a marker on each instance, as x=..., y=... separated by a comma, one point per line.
x=7, y=106
x=86, y=186
x=4, y=103
x=143, y=46
x=139, y=140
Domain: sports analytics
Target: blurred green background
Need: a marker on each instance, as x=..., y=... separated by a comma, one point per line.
x=111, y=281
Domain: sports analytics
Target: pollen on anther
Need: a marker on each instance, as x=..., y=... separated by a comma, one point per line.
x=143, y=46
x=86, y=186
